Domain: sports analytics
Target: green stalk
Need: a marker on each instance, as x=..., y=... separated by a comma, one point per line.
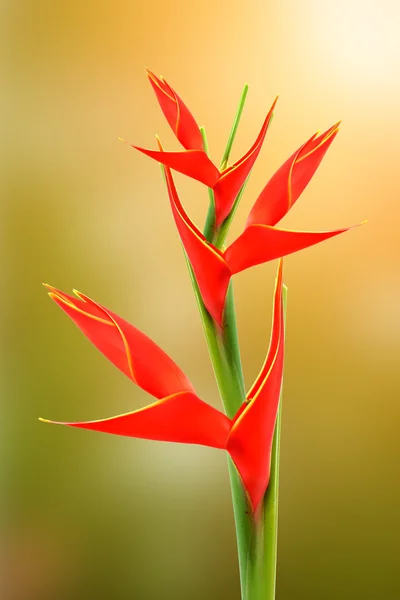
x=235, y=126
x=225, y=356
x=223, y=230
x=261, y=572
x=256, y=551
x=243, y=524
x=210, y=218
x=226, y=373
x=230, y=384
x=231, y=340
x=229, y=334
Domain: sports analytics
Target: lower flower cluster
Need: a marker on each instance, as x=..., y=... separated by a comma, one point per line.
x=179, y=415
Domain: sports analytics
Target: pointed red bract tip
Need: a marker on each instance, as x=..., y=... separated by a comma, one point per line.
x=261, y=243
x=130, y=350
x=192, y=163
x=182, y=417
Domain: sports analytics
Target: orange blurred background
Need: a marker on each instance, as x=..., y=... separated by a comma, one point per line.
x=95, y=516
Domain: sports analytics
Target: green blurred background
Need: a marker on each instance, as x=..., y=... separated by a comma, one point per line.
x=90, y=516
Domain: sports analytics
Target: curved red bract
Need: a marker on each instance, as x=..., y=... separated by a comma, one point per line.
x=176, y=112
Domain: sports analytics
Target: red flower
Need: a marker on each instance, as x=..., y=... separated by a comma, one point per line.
x=179, y=415
x=261, y=241
x=194, y=161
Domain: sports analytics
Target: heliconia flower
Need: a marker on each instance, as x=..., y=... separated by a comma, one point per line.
x=261, y=241
x=179, y=415
x=194, y=161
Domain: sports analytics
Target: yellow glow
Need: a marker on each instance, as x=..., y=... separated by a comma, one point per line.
x=361, y=37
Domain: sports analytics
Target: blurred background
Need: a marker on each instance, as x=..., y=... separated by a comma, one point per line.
x=93, y=516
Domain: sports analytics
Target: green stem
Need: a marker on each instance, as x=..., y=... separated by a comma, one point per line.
x=230, y=338
x=210, y=218
x=243, y=524
x=230, y=388
x=235, y=126
x=241, y=510
x=209, y=228
x=261, y=572
x=227, y=375
x=223, y=231
x=225, y=356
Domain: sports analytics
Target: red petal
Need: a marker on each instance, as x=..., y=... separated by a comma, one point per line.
x=210, y=269
x=232, y=179
x=182, y=417
x=286, y=185
x=261, y=243
x=177, y=114
x=250, y=440
x=126, y=347
x=193, y=163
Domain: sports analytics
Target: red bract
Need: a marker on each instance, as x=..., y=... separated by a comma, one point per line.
x=261, y=241
x=257, y=421
x=180, y=415
x=194, y=161
x=290, y=180
x=209, y=265
x=177, y=113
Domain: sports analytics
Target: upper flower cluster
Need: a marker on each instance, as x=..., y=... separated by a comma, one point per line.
x=261, y=241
